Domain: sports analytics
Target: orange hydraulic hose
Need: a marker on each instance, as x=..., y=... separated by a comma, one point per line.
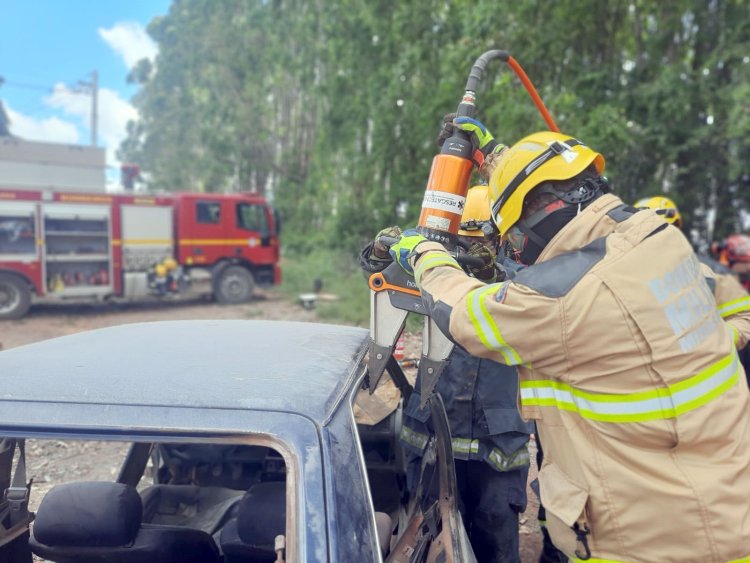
x=533, y=93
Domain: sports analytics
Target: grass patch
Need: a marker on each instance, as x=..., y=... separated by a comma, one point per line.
x=340, y=275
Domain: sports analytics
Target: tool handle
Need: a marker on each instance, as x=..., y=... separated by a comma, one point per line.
x=470, y=261
x=463, y=258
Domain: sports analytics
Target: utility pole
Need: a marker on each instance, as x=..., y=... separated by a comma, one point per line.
x=94, y=106
x=92, y=88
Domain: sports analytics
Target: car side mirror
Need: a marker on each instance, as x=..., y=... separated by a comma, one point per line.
x=277, y=221
x=265, y=236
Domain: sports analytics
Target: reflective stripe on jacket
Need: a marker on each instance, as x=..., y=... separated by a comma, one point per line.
x=629, y=367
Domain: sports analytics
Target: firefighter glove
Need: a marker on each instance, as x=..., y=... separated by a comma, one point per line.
x=481, y=138
x=380, y=248
x=486, y=273
x=403, y=250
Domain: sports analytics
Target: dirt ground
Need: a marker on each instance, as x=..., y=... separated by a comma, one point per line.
x=53, y=462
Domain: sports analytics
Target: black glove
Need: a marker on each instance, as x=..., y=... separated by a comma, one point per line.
x=486, y=273
x=447, y=131
x=375, y=257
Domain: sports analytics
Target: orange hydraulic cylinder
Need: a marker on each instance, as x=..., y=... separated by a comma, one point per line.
x=445, y=195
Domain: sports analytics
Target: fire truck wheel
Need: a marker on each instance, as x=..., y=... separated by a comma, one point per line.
x=15, y=297
x=234, y=284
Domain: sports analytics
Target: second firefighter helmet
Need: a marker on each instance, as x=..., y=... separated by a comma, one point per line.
x=738, y=248
x=475, y=219
x=560, y=171
x=664, y=207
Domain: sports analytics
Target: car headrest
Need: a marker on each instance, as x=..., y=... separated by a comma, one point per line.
x=261, y=515
x=90, y=514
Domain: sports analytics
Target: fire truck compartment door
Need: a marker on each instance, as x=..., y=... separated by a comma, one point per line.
x=18, y=231
x=147, y=236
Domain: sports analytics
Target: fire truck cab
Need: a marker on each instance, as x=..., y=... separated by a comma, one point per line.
x=64, y=245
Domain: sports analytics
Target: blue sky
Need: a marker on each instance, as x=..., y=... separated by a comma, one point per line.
x=48, y=45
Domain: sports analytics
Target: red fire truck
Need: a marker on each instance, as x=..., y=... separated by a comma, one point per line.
x=65, y=245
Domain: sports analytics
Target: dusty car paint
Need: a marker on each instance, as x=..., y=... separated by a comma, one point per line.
x=290, y=386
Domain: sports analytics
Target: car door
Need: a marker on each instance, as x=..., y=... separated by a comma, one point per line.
x=434, y=530
x=204, y=221
x=14, y=511
x=252, y=230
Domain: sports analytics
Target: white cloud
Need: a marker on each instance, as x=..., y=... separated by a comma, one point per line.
x=130, y=41
x=113, y=111
x=113, y=114
x=72, y=125
x=50, y=129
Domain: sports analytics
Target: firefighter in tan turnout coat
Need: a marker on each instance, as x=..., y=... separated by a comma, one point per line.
x=627, y=362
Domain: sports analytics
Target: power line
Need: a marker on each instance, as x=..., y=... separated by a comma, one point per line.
x=90, y=88
x=24, y=86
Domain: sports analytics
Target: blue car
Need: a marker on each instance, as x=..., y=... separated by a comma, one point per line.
x=241, y=447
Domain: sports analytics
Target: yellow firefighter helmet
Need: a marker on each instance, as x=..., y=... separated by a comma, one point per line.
x=540, y=157
x=170, y=264
x=664, y=207
x=476, y=212
x=160, y=270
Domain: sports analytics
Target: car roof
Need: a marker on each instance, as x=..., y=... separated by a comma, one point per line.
x=301, y=368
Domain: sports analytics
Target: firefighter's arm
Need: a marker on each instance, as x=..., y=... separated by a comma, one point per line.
x=733, y=303
x=505, y=322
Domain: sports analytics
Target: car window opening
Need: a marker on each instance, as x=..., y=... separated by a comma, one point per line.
x=192, y=502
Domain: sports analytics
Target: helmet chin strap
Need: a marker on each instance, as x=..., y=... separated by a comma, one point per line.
x=529, y=232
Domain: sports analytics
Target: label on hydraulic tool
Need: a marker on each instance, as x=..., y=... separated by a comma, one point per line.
x=437, y=223
x=443, y=201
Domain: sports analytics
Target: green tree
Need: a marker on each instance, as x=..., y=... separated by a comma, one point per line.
x=331, y=108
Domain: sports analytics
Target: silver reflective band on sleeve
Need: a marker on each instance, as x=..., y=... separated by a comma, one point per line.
x=465, y=445
x=502, y=462
x=485, y=326
x=472, y=449
x=733, y=307
x=662, y=403
x=413, y=438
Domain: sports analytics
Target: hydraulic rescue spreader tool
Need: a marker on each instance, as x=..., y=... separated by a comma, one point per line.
x=393, y=293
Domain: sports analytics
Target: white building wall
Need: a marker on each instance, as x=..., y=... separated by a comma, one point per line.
x=42, y=166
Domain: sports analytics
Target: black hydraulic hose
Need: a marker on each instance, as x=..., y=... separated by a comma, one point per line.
x=467, y=107
x=475, y=76
x=459, y=144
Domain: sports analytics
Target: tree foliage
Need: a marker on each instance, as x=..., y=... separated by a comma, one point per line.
x=331, y=108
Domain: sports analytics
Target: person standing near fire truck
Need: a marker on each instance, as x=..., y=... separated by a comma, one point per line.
x=626, y=365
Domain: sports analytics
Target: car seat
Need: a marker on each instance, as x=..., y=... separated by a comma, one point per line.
x=261, y=516
x=190, y=506
x=101, y=522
